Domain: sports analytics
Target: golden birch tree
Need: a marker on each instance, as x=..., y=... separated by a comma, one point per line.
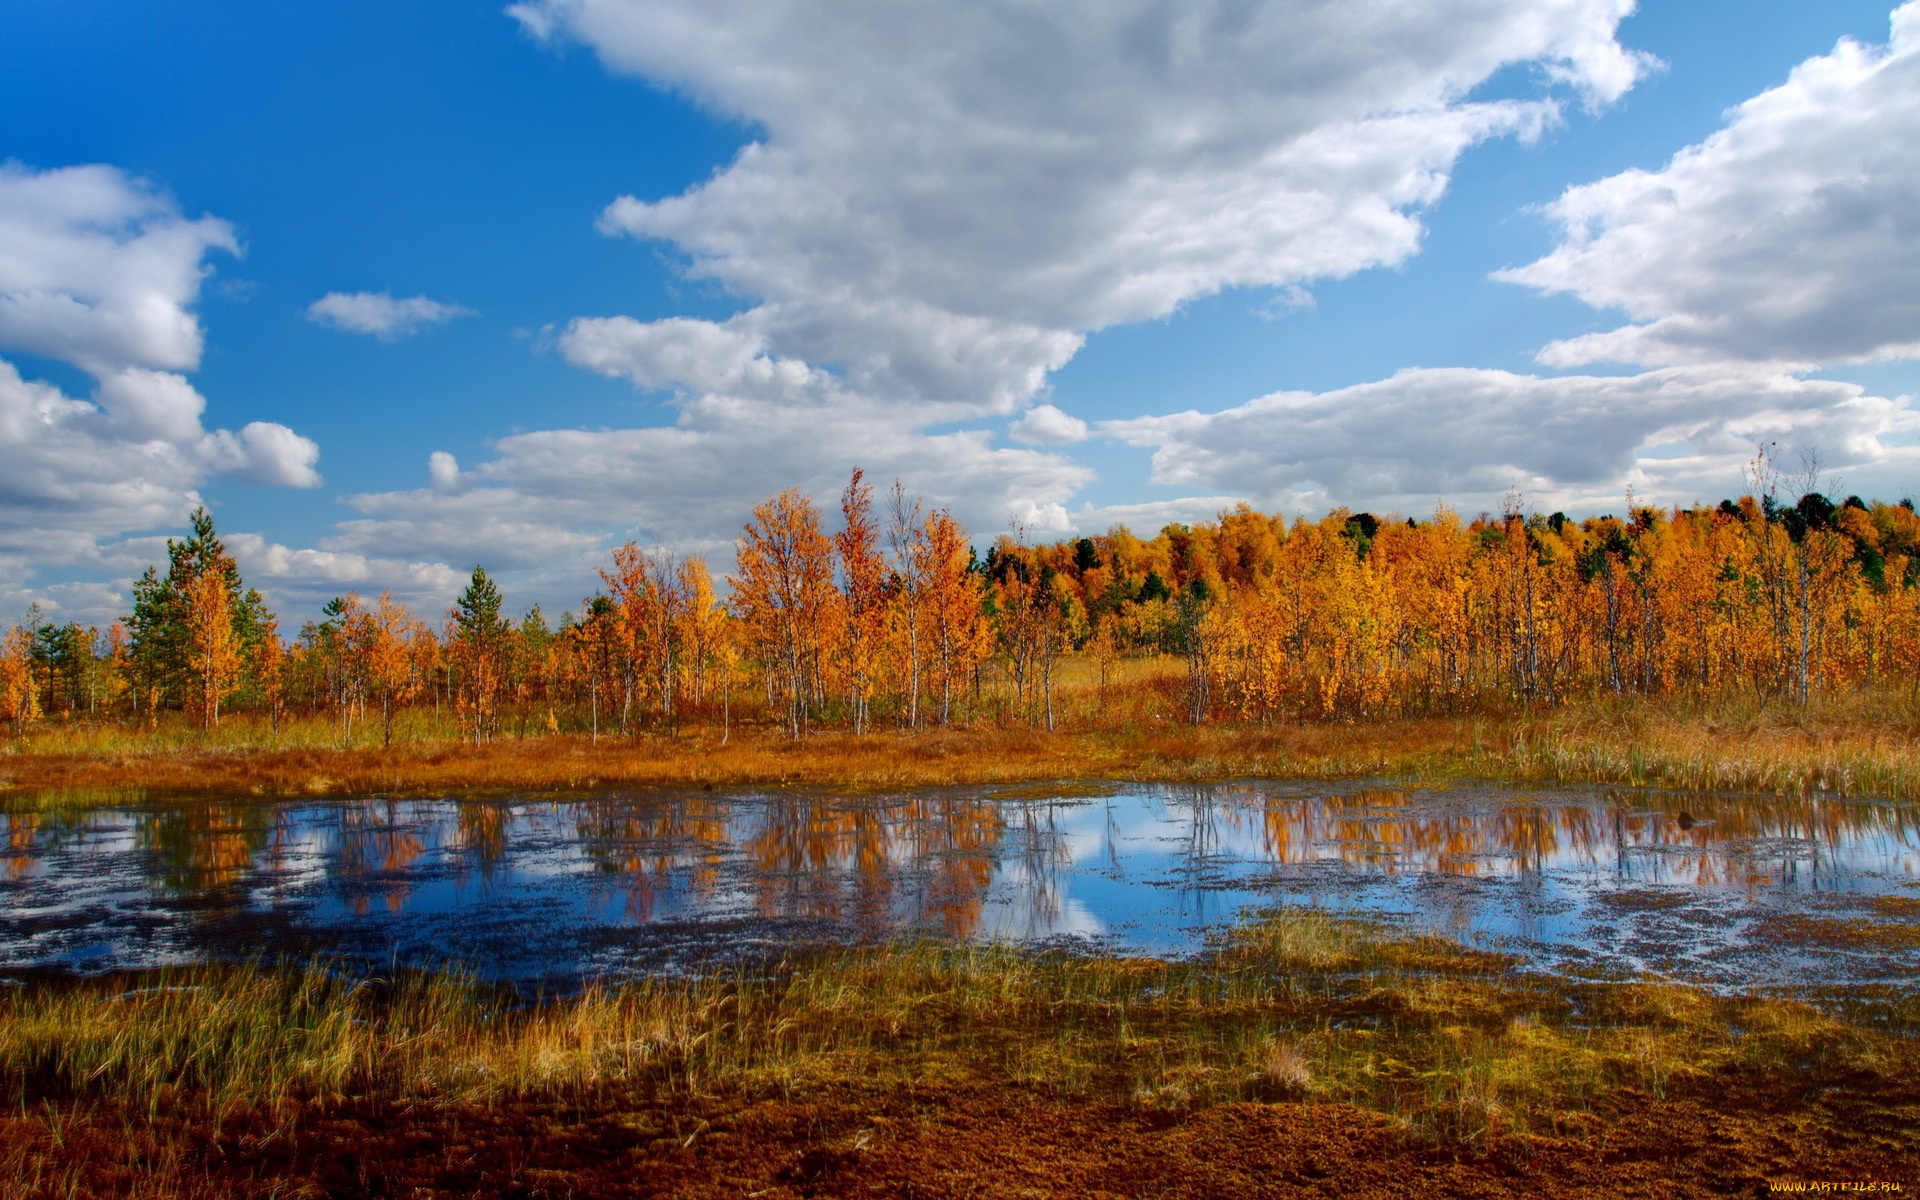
x=957, y=633
x=390, y=659
x=213, y=648
x=863, y=574
x=785, y=594
x=19, y=694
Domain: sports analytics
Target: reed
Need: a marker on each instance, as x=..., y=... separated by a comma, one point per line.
x=1454, y=1045
x=1854, y=744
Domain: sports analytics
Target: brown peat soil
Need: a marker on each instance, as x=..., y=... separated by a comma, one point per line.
x=1722, y=1136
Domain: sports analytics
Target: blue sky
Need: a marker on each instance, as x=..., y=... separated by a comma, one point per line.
x=1037, y=262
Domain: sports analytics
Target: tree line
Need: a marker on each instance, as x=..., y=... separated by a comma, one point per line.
x=887, y=616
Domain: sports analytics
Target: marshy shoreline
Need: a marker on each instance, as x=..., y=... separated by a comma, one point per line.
x=1302, y=1055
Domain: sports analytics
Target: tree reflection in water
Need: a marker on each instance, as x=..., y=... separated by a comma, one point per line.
x=651, y=848
x=932, y=861
x=374, y=842
x=922, y=860
x=207, y=846
x=480, y=832
x=1404, y=831
x=23, y=844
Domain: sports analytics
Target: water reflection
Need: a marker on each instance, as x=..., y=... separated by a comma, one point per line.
x=919, y=860
x=575, y=884
x=1746, y=842
x=205, y=847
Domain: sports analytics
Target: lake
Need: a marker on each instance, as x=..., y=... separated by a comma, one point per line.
x=1806, y=896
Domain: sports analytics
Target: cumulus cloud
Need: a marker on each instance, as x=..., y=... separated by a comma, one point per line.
x=1148, y=517
x=74, y=471
x=943, y=202
x=947, y=198
x=379, y=314
x=63, y=484
x=1045, y=425
x=443, y=470
x=706, y=356
x=302, y=580
x=100, y=269
x=1790, y=235
x=1470, y=435
x=264, y=453
x=144, y=406
x=550, y=494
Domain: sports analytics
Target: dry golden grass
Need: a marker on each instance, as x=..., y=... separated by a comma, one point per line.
x=1865, y=743
x=1298, y=1006
x=1654, y=748
x=695, y=757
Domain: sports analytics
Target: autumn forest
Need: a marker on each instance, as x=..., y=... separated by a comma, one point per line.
x=883, y=615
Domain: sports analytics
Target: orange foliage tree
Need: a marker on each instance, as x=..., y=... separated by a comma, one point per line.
x=213, y=648
x=785, y=596
x=19, y=696
x=1782, y=593
x=863, y=571
x=391, y=658
x=957, y=635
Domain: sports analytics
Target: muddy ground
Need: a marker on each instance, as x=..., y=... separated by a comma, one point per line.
x=1720, y=1135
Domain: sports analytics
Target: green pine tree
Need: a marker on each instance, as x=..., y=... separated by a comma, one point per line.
x=480, y=645
x=156, y=628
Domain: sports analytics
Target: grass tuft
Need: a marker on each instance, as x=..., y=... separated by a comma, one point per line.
x=1455, y=1045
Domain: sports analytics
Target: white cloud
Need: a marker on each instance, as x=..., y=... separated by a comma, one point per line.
x=294, y=582
x=63, y=483
x=944, y=202
x=379, y=314
x=87, y=602
x=443, y=471
x=99, y=268
x=1469, y=435
x=947, y=198
x=143, y=405
x=707, y=356
x=1791, y=235
x=265, y=454
x=1148, y=517
x=302, y=580
x=552, y=496
x=1045, y=425
x=72, y=472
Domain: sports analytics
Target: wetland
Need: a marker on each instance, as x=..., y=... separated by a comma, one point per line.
x=1809, y=895
x=1260, y=987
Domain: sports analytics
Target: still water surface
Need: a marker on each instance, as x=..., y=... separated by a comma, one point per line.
x=1730, y=891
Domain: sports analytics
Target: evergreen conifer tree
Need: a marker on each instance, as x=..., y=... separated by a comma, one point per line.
x=159, y=652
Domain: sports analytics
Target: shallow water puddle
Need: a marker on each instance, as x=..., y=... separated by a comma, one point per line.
x=1734, y=891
